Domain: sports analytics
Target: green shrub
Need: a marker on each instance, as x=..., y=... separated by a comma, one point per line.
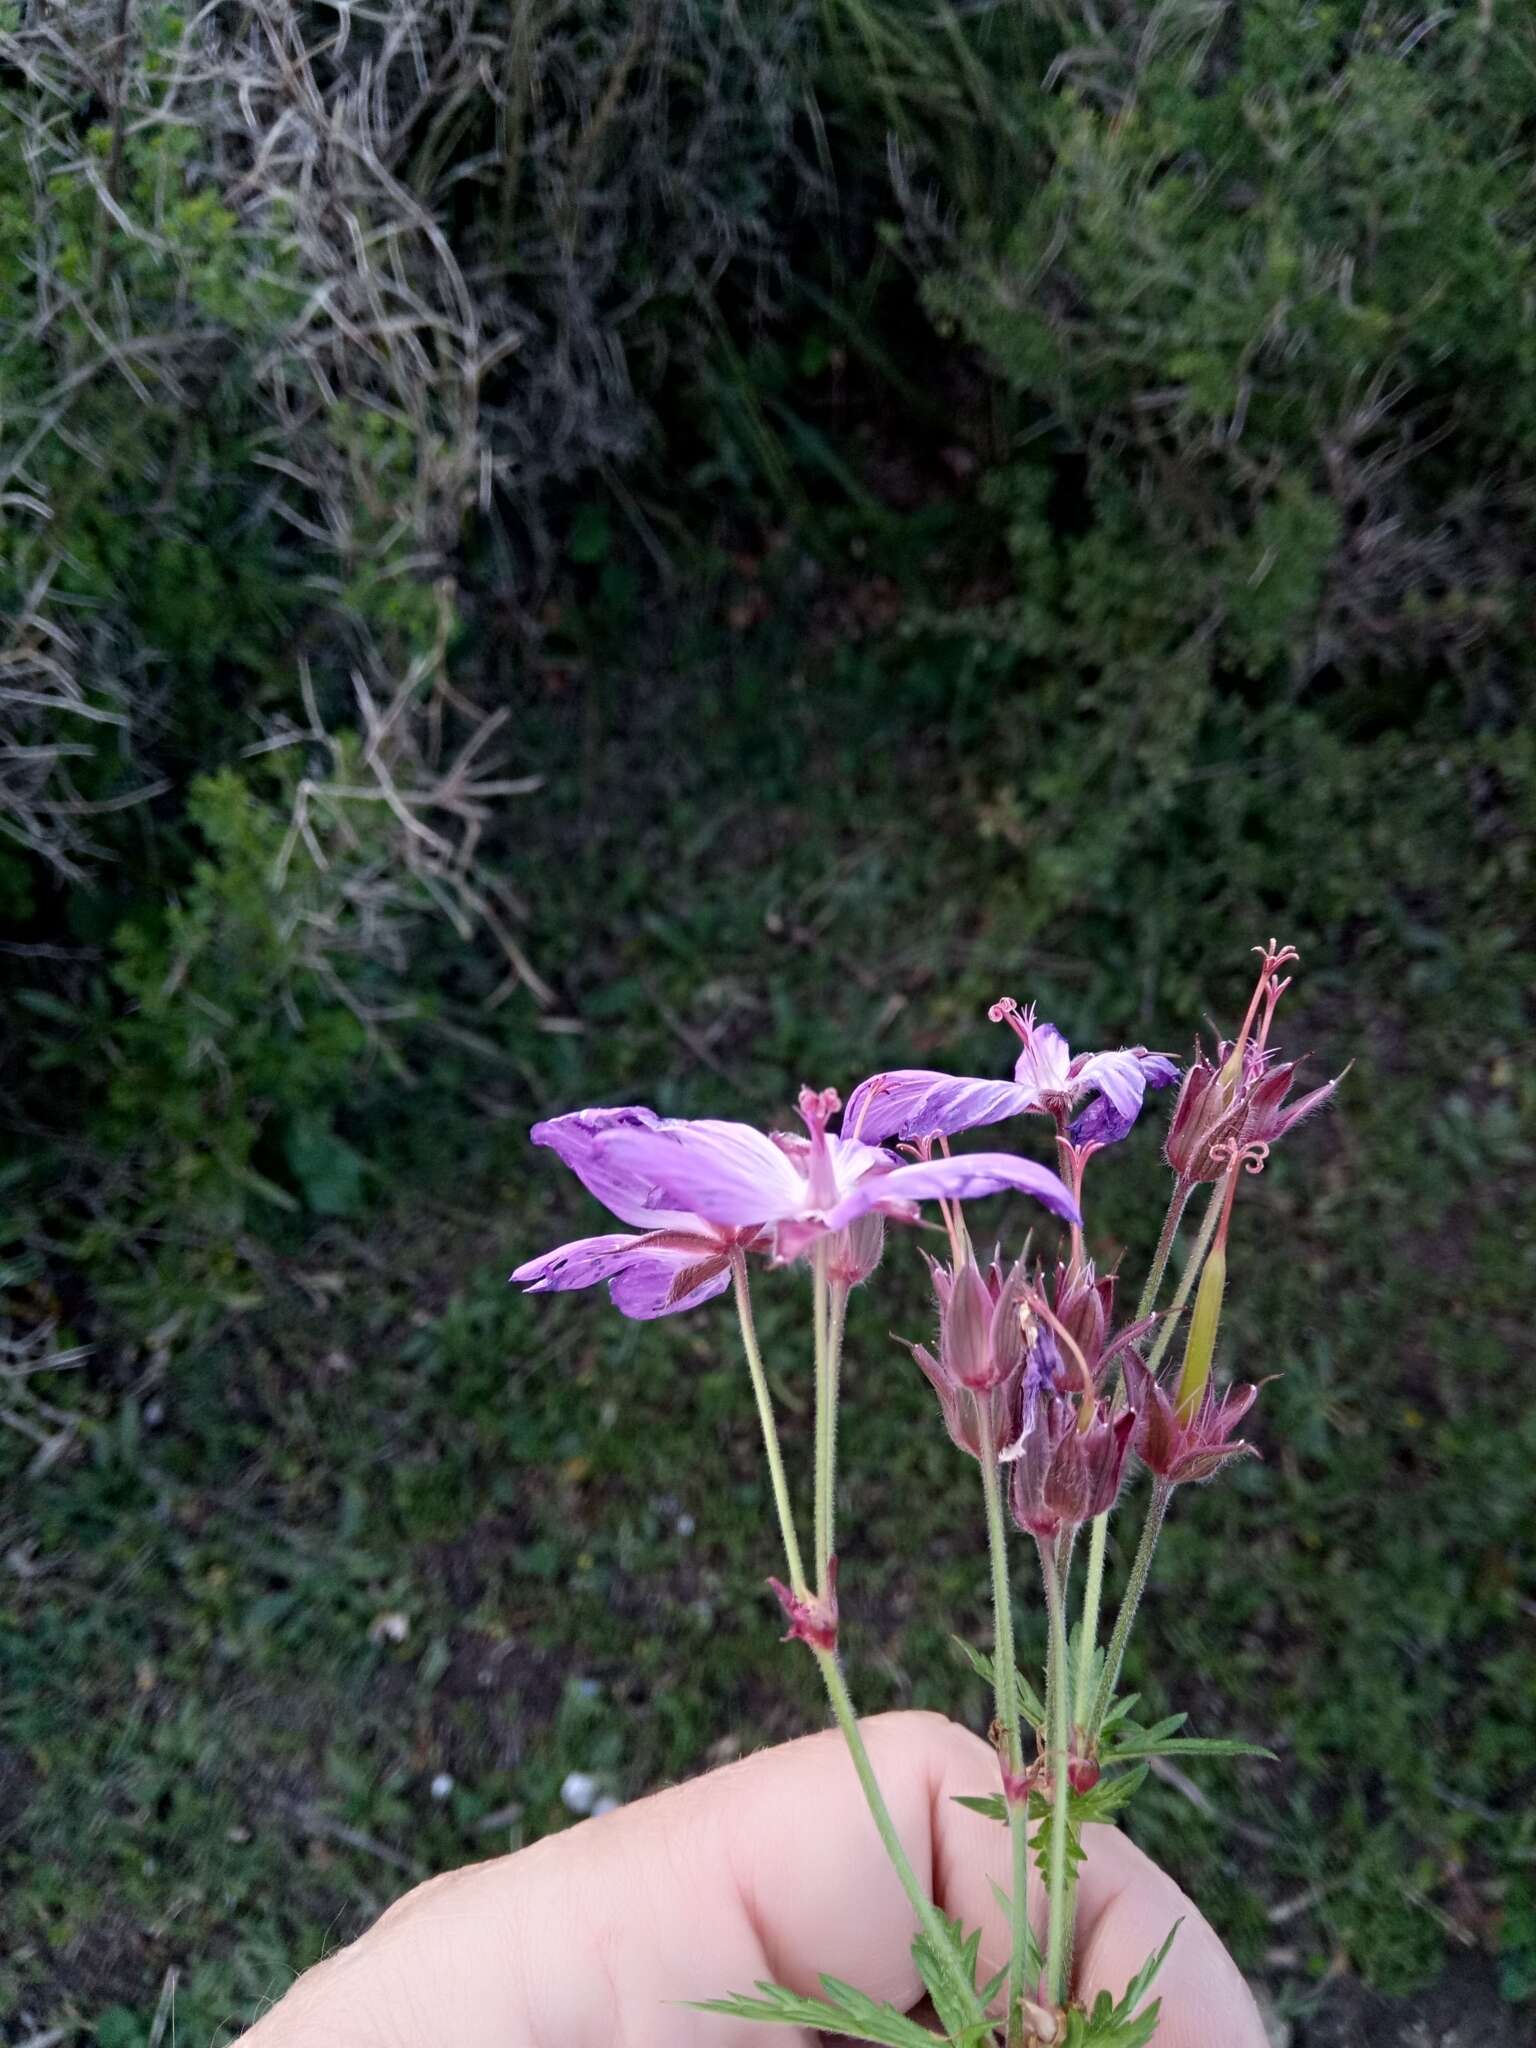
x=1266, y=306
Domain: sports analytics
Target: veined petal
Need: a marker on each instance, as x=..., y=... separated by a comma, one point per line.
x=581, y=1263
x=916, y=1102
x=1119, y=1076
x=852, y=1159
x=1044, y=1066
x=641, y=1275
x=648, y=1288
x=577, y=1140
x=959, y=1179
x=1158, y=1070
x=726, y=1172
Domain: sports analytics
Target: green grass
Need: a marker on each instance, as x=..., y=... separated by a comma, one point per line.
x=402, y=1522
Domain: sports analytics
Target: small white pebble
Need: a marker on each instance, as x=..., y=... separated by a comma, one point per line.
x=686, y=1525
x=442, y=1785
x=607, y=1804
x=579, y=1791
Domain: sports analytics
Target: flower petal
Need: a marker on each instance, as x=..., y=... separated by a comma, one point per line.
x=641, y=1276
x=576, y=1139
x=581, y=1263
x=648, y=1288
x=1118, y=1075
x=916, y=1102
x=726, y=1172
x=958, y=1180
x=1044, y=1067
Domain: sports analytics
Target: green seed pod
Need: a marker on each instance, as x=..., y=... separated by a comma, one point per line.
x=1201, y=1347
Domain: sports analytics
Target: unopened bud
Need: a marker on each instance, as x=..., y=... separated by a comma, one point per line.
x=856, y=1251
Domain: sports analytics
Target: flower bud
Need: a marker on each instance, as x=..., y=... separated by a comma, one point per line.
x=965, y=1332
x=1180, y=1448
x=857, y=1251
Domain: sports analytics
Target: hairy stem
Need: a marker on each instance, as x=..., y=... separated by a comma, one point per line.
x=1157, y=1507
x=1182, y=1190
x=930, y=1919
x=1098, y=1537
x=941, y=1942
x=826, y=1418
x=1006, y=1692
x=1187, y=1278
x=770, y=1428
x=1057, y=1959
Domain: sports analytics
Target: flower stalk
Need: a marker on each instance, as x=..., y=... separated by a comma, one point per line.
x=1136, y=1585
x=1059, y=1875
x=1098, y=1536
x=928, y=1916
x=1006, y=1695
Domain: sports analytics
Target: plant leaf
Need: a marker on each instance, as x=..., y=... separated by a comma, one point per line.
x=1030, y=1705
x=844, y=2010
x=1183, y=1745
x=1116, y=2023
x=937, y=1970
x=991, y=1805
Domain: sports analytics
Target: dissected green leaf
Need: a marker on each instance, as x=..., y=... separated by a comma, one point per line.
x=1116, y=2023
x=1183, y=1745
x=1030, y=1703
x=1119, y=1711
x=992, y=1805
x=938, y=1970
x=844, y=2010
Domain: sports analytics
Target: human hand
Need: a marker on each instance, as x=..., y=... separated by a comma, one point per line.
x=769, y=1868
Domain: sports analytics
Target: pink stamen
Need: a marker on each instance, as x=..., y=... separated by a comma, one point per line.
x=1006, y=1011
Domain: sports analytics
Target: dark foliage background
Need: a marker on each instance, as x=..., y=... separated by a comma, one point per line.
x=564, y=550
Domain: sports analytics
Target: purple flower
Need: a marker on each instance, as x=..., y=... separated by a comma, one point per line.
x=915, y=1102
x=675, y=1261
x=802, y=1188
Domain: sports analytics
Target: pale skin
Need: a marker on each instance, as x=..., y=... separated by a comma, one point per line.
x=768, y=1868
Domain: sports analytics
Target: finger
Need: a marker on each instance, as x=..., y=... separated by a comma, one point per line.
x=768, y=1869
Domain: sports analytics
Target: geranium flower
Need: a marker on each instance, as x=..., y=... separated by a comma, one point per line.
x=705, y=1192
x=803, y=1188
x=675, y=1261
x=1048, y=1080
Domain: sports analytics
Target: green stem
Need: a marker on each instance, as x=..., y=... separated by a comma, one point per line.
x=1057, y=1960
x=1006, y=1691
x=1182, y=1190
x=1114, y=1657
x=1098, y=1538
x=770, y=1428
x=831, y=1302
x=940, y=1940
x=1187, y=1278
x=960, y=1982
